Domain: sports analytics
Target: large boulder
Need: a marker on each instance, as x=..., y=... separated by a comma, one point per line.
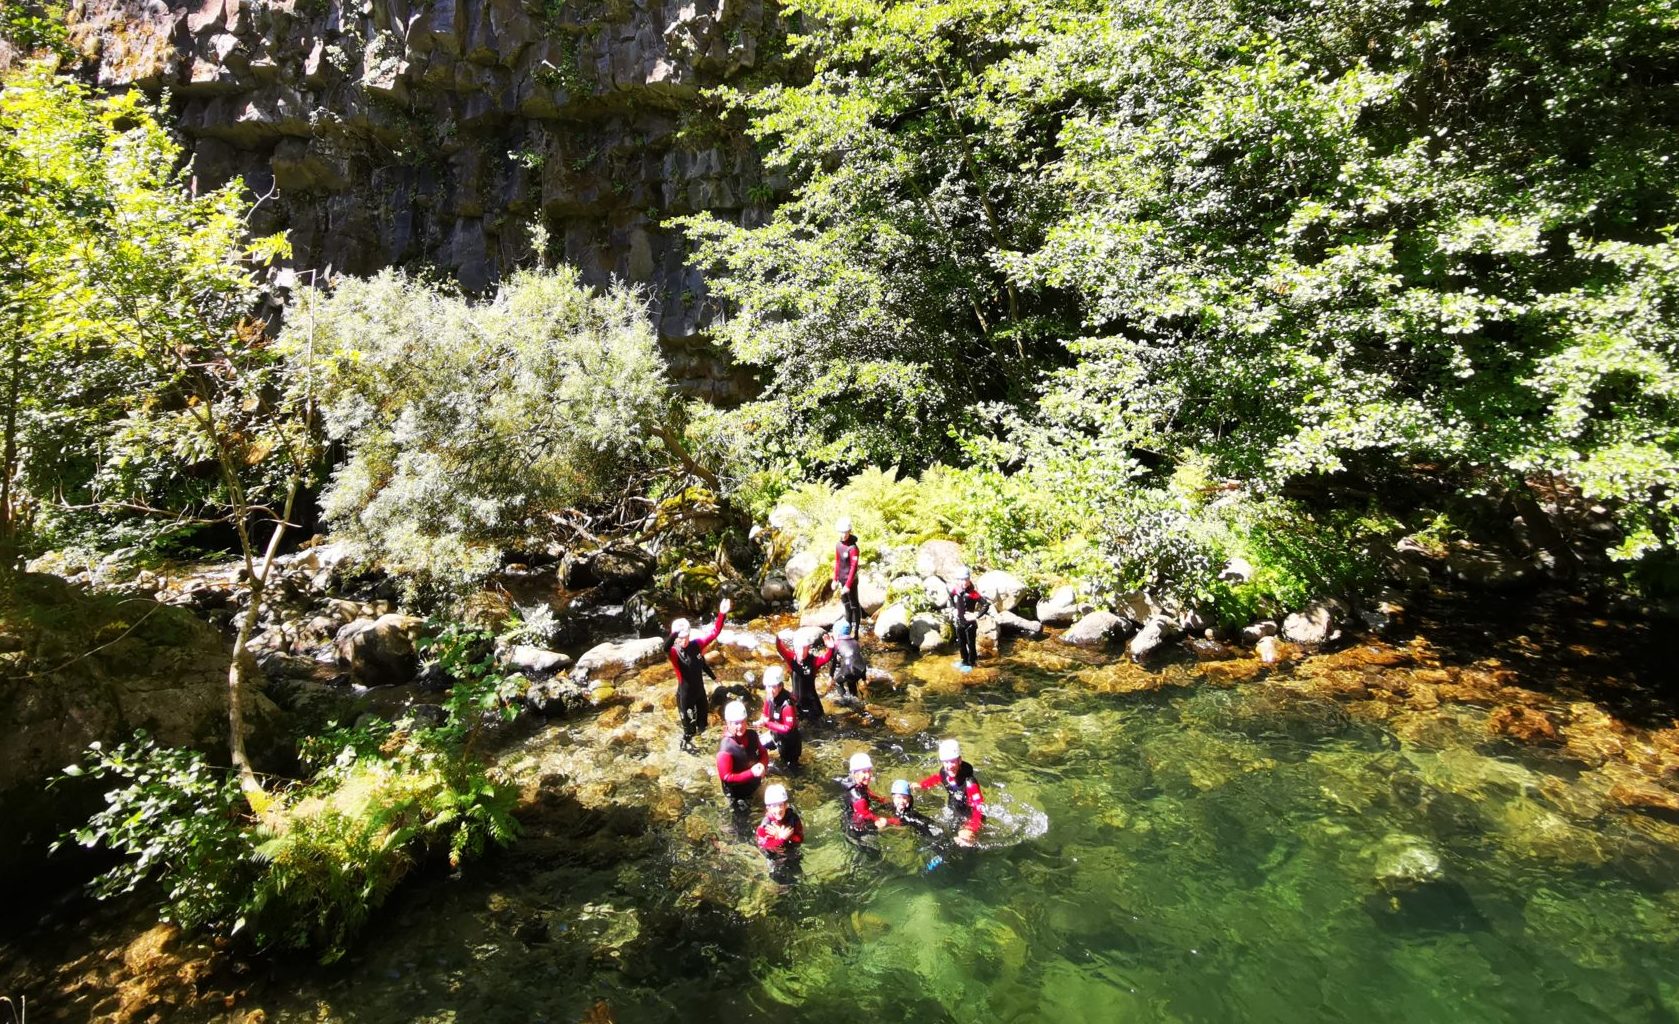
x=1010, y=624
x=871, y=594
x=799, y=566
x=77, y=668
x=892, y=624
x=1097, y=629
x=823, y=615
x=614, y=658
x=1061, y=608
x=1317, y=623
x=776, y=589
x=937, y=591
x=379, y=652
x=1139, y=606
x=1154, y=635
x=939, y=558
x=622, y=568
x=1004, y=590
x=929, y=632
x=534, y=659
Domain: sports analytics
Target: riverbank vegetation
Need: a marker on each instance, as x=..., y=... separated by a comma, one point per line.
x=1117, y=295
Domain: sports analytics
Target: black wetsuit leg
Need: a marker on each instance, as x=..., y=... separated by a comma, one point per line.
x=692, y=706
x=968, y=634
x=791, y=746
x=853, y=610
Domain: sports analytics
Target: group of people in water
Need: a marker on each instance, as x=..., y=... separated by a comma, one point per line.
x=743, y=754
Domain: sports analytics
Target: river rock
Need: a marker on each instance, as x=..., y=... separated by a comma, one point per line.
x=892, y=624
x=776, y=589
x=928, y=632
x=535, y=659
x=1139, y=606
x=1237, y=570
x=1004, y=590
x=1317, y=623
x=1095, y=630
x=1010, y=624
x=1153, y=636
x=1522, y=723
x=823, y=617
x=937, y=591
x=1270, y=650
x=621, y=568
x=939, y=558
x=871, y=594
x=1258, y=631
x=379, y=652
x=799, y=566
x=1060, y=608
x=614, y=658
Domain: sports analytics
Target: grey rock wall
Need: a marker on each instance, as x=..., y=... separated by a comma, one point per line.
x=410, y=132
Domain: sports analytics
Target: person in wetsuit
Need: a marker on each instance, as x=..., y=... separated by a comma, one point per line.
x=686, y=649
x=741, y=758
x=847, y=562
x=781, y=717
x=966, y=606
x=848, y=667
x=860, y=801
x=962, y=790
x=802, y=665
x=781, y=831
x=903, y=808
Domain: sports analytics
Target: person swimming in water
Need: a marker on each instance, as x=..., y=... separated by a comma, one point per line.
x=903, y=808
x=861, y=802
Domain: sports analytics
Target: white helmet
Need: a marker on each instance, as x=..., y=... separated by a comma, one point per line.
x=776, y=793
x=844, y=525
x=678, y=626
x=950, y=750
x=735, y=711
x=773, y=677
x=861, y=761
x=963, y=573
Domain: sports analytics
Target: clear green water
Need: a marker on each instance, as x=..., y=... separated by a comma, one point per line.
x=1210, y=855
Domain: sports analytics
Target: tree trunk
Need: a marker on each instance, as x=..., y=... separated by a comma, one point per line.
x=8, y=461
x=244, y=667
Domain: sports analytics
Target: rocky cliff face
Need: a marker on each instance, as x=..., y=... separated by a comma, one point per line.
x=415, y=132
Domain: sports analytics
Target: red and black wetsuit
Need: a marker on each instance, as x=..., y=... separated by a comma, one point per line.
x=781, y=716
x=965, y=799
x=774, y=847
x=848, y=666
x=860, y=815
x=735, y=758
x=804, y=677
x=687, y=657
x=965, y=598
x=847, y=560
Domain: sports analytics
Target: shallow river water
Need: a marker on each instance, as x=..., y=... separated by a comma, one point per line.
x=1200, y=852
x=1352, y=838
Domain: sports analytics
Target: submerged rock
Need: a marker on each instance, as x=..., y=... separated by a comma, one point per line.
x=1405, y=862
x=1522, y=723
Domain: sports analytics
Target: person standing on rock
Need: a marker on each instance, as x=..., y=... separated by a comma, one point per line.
x=686, y=649
x=802, y=664
x=741, y=758
x=847, y=561
x=966, y=606
x=961, y=790
x=781, y=717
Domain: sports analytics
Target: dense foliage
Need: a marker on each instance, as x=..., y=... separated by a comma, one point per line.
x=1279, y=243
x=379, y=797
x=469, y=427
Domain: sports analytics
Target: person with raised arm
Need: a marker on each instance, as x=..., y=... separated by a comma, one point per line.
x=802, y=664
x=685, y=646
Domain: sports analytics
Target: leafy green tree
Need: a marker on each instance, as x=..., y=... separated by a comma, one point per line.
x=876, y=300
x=471, y=428
x=151, y=287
